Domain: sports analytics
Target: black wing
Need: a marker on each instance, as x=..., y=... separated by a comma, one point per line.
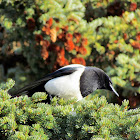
x=38, y=86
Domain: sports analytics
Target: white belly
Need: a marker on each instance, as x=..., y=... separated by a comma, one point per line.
x=66, y=86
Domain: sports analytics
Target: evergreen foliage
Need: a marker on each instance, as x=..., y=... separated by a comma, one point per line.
x=29, y=119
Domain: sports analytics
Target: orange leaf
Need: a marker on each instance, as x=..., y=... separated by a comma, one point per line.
x=136, y=45
x=82, y=50
x=138, y=36
x=50, y=22
x=46, y=29
x=44, y=53
x=84, y=41
x=133, y=6
x=45, y=43
x=69, y=45
x=53, y=35
x=79, y=60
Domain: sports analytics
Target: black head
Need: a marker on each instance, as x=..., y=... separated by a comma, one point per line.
x=105, y=81
x=94, y=78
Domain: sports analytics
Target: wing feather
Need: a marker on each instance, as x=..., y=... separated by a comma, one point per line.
x=39, y=85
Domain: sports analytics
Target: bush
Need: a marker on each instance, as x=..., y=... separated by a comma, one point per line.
x=27, y=118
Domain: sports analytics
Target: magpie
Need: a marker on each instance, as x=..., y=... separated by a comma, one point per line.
x=71, y=81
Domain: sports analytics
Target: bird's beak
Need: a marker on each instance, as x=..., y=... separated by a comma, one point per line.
x=114, y=90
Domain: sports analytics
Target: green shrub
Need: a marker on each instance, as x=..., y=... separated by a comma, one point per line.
x=27, y=118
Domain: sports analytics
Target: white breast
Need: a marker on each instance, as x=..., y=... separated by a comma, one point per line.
x=66, y=86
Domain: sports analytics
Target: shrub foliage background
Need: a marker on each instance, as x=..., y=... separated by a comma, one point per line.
x=38, y=37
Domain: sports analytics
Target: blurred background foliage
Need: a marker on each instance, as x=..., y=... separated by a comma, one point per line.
x=38, y=37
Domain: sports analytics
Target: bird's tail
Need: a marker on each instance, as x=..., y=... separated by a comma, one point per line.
x=37, y=86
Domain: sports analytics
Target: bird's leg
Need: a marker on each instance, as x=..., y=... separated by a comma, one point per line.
x=50, y=96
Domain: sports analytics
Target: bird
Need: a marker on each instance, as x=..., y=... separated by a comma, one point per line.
x=71, y=81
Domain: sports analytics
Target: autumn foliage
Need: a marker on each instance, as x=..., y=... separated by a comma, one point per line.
x=71, y=42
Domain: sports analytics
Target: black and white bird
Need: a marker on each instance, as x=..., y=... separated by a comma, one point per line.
x=72, y=81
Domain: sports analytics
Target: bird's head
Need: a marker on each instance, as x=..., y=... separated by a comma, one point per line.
x=105, y=81
x=108, y=85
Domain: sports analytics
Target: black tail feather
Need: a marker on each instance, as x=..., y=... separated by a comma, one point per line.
x=30, y=89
